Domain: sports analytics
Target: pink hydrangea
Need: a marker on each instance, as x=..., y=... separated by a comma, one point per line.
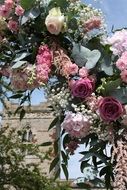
x=118, y=42
x=83, y=72
x=122, y=61
x=19, y=10
x=44, y=56
x=76, y=124
x=124, y=75
x=13, y=25
x=92, y=23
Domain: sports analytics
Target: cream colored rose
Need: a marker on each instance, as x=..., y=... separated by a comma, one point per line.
x=54, y=21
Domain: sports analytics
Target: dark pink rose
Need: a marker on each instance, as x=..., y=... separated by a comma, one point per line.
x=81, y=88
x=110, y=109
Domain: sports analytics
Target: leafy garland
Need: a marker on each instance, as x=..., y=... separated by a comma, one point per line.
x=62, y=45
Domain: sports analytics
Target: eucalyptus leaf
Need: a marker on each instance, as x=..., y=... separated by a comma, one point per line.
x=19, y=64
x=107, y=66
x=30, y=14
x=85, y=57
x=79, y=54
x=120, y=94
x=92, y=59
x=20, y=56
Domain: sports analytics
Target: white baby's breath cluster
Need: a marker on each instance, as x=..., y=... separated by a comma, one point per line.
x=59, y=98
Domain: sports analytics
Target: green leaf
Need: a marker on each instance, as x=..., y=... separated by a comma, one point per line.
x=64, y=157
x=111, y=86
x=57, y=173
x=22, y=114
x=63, y=4
x=65, y=170
x=53, y=123
x=16, y=96
x=46, y=144
x=21, y=56
x=19, y=64
x=54, y=163
x=73, y=24
x=83, y=165
x=27, y=4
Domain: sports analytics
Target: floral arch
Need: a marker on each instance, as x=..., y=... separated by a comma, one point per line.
x=63, y=46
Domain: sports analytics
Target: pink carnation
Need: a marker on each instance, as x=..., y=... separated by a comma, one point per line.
x=93, y=23
x=83, y=72
x=69, y=69
x=9, y=4
x=13, y=25
x=44, y=56
x=124, y=75
x=19, y=10
x=76, y=125
x=4, y=11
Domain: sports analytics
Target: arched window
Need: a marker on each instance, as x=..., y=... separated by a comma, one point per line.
x=27, y=134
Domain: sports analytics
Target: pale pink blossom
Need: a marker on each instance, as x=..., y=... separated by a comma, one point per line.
x=4, y=11
x=83, y=72
x=76, y=124
x=19, y=10
x=124, y=75
x=13, y=25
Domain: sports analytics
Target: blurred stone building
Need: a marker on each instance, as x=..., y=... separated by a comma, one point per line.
x=35, y=125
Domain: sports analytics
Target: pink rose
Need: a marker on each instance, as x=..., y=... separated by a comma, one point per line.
x=110, y=109
x=9, y=4
x=19, y=10
x=82, y=88
x=123, y=75
x=13, y=25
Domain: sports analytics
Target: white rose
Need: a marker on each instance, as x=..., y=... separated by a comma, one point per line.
x=54, y=21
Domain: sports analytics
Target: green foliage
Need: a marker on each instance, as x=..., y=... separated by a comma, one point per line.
x=27, y=4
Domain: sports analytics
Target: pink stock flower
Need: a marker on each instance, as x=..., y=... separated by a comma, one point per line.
x=19, y=10
x=44, y=56
x=110, y=109
x=93, y=23
x=124, y=75
x=81, y=88
x=83, y=72
x=122, y=61
x=76, y=125
x=41, y=75
x=4, y=11
x=9, y=4
x=13, y=25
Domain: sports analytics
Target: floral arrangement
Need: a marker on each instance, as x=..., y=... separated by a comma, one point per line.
x=63, y=46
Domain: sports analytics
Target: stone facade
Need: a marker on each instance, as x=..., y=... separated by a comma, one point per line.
x=35, y=123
